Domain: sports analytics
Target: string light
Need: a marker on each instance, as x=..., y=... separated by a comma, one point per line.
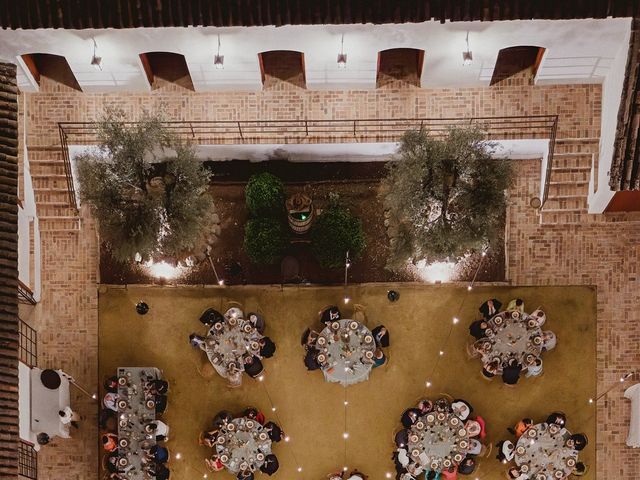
x=178, y=456
x=299, y=469
x=455, y=320
x=346, y=300
x=388, y=475
x=261, y=378
x=441, y=353
x=287, y=438
x=428, y=384
x=345, y=468
x=345, y=435
x=94, y=396
x=273, y=409
x=469, y=288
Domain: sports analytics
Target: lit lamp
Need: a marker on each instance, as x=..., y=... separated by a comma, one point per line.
x=218, y=60
x=467, y=56
x=342, y=57
x=96, y=61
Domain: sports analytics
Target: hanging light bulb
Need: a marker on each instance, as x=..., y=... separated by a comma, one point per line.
x=467, y=56
x=342, y=57
x=218, y=60
x=96, y=61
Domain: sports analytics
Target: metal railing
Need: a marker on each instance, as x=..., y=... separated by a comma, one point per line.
x=25, y=295
x=28, y=344
x=27, y=461
x=229, y=132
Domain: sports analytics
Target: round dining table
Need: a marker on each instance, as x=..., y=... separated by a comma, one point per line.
x=543, y=452
x=346, y=351
x=242, y=445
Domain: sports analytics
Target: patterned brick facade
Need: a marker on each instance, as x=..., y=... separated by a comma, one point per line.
x=565, y=249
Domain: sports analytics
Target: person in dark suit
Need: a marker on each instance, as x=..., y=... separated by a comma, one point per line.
x=253, y=366
x=490, y=308
x=270, y=465
x=467, y=466
x=161, y=403
x=478, y=328
x=162, y=472
x=246, y=475
x=557, y=418
x=330, y=314
x=210, y=317
x=222, y=417
x=257, y=321
x=402, y=438
x=267, y=347
x=275, y=432
x=511, y=373
x=409, y=417
x=311, y=359
x=111, y=384
x=381, y=335
x=579, y=441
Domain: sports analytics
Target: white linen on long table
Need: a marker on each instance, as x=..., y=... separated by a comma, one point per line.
x=136, y=409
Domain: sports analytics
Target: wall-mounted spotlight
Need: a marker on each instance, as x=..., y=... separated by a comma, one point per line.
x=96, y=61
x=467, y=56
x=218, y=60
x=342, y=57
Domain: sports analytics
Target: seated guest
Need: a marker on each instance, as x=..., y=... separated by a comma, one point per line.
x=356, y=475
x=257, y=321
x=462, y=408
x=162, y=472
x=425, y=406
x=111, y=461
x=483, y=427
x=432, y=475
x=210, y=317
x=108, y=420
x=473, y=428
x=490, y=370
x=270, y=465
x=330, y=314
x=253, y=366
x=214, y=464
x=514, y=474
x=409, y=417
x=579, y=470
x=402, y=438
x=159, y=454
x=548, y=340
x=245, y=475
x=467, y=466
x=110, y=401
x=415, y=469
x=311, y=359
x=109, y=442
x=267, y=347
x=557, y=418
x=506, y=451
x=309, y=338
x=521, y=427
x=234, y=312
x=111, y=384
x=489, y=308
x=158, y=387
x=516, y=304
x=534, y=369
x=197, y=341
x=450, y=473
x=160, y=429
x=381, y=336
x=161, y=404
x=442, y=405
x=222, y=418
x=478, y=328
x=474, y=448
x=254, y=414
x=511, y=373
x=379, y=358
x=275, y=432
x=403, y=457
x=579, y=441
x=539, y=316
x=208, y=438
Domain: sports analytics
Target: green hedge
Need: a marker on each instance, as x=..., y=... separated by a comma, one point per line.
x=265, y=195
x=334, y=233
x=265, y=240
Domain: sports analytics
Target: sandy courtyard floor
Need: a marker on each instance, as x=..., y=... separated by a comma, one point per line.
x=310, y=410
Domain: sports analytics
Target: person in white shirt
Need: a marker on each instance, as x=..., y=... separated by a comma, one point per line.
x=548, y=340
x=110, y=401
x=68, y=416
x=403, y=458
x=160, y=428
x=633, y=394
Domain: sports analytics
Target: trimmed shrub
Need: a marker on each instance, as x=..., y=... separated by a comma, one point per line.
x=335, y=232
x=265, y=240
x=265, y=195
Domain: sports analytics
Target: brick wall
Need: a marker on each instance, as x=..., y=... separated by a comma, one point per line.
x=603, y=251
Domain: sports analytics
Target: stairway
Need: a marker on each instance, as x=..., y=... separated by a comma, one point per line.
x=569, y=183
x=53, y=207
